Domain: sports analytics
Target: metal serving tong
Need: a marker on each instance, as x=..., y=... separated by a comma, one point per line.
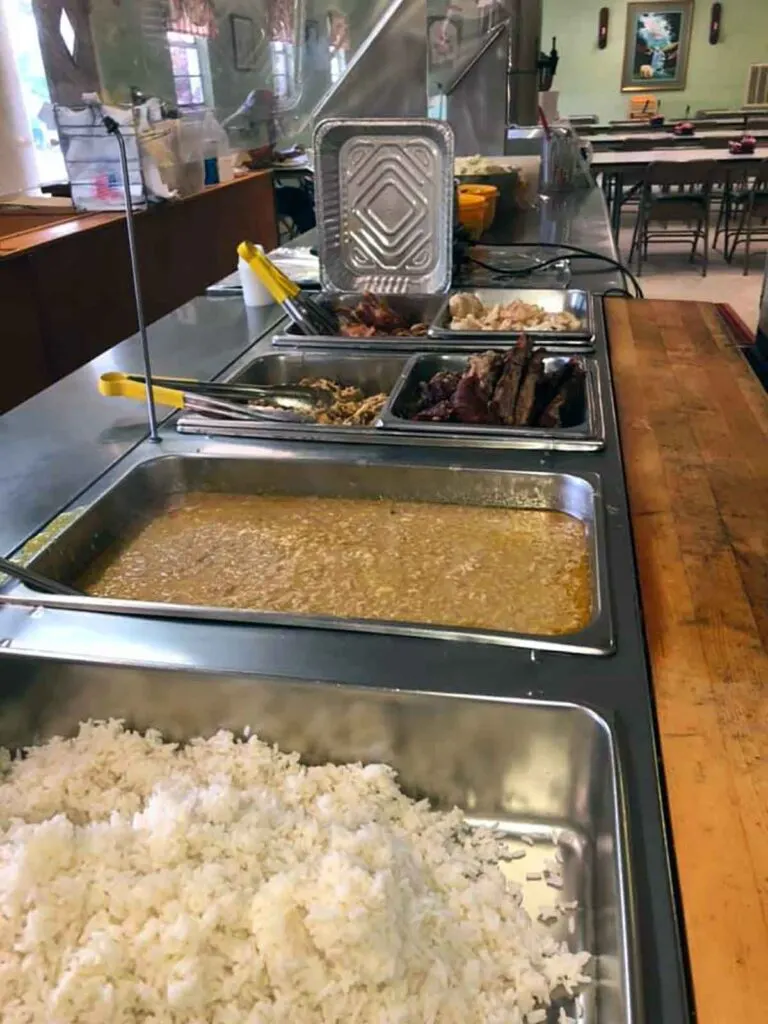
x=35, y=579
x=222, y=401
x=309, y=316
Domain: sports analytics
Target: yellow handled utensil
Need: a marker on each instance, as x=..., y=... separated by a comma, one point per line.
x=308, y=315
x=119, y=385
x=278, y=285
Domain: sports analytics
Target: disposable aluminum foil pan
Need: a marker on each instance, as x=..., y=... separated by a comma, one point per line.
x=385, y=205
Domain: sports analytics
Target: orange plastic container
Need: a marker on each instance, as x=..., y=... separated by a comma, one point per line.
x=491, y=196
x=472, y=213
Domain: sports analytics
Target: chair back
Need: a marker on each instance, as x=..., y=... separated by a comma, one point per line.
x=760, y=183
x=700, y=173
x=758, y=192
x=631, y=145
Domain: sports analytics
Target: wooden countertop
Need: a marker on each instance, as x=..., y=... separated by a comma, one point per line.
x=79, y=222
x=694, y=428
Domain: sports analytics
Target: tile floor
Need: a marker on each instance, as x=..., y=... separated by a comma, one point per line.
x=668, y=275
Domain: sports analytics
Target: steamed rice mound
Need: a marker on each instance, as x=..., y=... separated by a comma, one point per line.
x=224, y=882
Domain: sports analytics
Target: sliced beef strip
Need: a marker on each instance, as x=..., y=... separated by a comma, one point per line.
x=439, y=388
x=486, y=367
x=566, y=398
x=441, y=412
x=575, y=398
x=526, y=396
x=550, y=387
x=473, y=394
x=551, y=416
x=505, y=393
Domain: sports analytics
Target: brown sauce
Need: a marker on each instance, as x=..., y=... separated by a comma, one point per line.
x=513, y=570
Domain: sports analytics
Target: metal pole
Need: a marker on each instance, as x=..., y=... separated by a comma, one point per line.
x=114, y=129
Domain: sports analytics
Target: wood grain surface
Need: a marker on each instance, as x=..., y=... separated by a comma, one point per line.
x=69, y=284
x=694, y=429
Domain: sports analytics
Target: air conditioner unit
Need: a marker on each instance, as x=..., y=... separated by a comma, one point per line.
x=757, y=86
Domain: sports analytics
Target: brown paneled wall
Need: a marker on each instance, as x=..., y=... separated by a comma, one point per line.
x=65, y=291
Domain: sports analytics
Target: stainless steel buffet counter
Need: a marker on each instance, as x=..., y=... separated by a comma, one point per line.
x=61, y=440
x=43, y=475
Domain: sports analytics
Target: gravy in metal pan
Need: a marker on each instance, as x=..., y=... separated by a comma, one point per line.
x=506, y=569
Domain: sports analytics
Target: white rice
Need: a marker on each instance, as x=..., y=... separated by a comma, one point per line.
x=225, y=883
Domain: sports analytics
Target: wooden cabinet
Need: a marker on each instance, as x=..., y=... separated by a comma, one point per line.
x=65, y=289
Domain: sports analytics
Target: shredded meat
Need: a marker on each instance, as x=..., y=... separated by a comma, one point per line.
x=350, y=406
x=469, y=314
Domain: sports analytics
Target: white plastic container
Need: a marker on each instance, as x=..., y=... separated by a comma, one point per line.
x=254, y=291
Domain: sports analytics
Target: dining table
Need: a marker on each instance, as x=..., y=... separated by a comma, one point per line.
x=661, y=138
x=639, y=125
x=617, y=168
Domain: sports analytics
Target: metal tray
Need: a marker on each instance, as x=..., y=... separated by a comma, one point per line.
x=455, y=751
x=553, y=300
x=588, y=435
x=385, y=205
x=371, y=373
x=423, y=308
x=150, y=486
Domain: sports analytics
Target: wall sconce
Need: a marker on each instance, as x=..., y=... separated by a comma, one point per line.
x=714, y=24
x=602, y=30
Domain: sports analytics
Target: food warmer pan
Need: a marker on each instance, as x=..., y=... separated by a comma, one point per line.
x=586, y=433
x=549, y=772
x=389, y=372
x=552, y=300
x=420, y=309
x=373, y=374
x=152, y=486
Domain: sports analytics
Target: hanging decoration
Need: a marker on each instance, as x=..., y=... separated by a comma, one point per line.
x=715, y=21
x=338, y=31
x=194, y=17
x=282, y=20
x=602, y=27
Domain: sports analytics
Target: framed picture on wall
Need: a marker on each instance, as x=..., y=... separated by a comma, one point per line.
x=657, y=44
x=243, y=42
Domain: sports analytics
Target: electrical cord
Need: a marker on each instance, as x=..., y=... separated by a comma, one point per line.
x=534, y=268
x=573, y=252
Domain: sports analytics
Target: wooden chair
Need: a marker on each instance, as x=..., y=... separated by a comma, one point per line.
x=677, y=193
x=750, y=207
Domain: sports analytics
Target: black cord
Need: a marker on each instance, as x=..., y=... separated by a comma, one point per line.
x=534, y=268
x=626, y=273
x=618, y=291
x=573, y=252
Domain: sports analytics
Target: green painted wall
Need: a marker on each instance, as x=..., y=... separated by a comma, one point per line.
x=589, y=79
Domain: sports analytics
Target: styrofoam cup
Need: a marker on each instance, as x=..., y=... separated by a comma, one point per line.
x=254, y=291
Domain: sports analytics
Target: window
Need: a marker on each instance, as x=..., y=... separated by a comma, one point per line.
x=338, y=64
x=189, y=63
x=31, y=87
x=338, y=44
x=283, y=72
